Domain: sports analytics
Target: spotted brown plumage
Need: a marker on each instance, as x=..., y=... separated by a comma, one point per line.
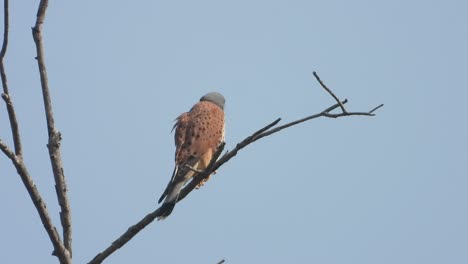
x=197, y=135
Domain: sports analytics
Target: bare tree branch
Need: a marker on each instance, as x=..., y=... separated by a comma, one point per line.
x=54, y=135
x=6, y=94
x=40, y=205
x=215, y=164
x=126, y=236
x=59, y=250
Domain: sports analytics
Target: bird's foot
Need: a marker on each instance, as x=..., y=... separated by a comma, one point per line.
x=203, y=182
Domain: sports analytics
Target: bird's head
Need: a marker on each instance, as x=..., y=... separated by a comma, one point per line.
x=215, y=98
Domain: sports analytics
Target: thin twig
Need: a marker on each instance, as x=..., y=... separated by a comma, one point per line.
x=6, y=27
x=6, y=150
x=215, y=163
x=6, y=93
x=330, y=92
x=221, y=261
x=293, y=123
x=375, y=108
x=54, y=135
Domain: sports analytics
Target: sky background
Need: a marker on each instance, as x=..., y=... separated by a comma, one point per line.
x=386, y=189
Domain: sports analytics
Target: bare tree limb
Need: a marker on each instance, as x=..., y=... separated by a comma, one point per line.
x=6, y=94
x=54, y=135
x=59, y=250
x=216, y=163
x=126, y=236
x=40, y=205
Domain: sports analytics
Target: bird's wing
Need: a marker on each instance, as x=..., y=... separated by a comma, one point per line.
x=183, y=131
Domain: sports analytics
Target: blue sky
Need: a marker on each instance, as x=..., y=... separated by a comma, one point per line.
x=385, y=189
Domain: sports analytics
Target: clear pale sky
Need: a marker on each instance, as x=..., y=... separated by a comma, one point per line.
x=386, y=189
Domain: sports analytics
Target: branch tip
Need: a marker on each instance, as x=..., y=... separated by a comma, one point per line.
x=375, y=108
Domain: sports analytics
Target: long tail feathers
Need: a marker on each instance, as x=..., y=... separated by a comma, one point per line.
x=166, y=210
x=171, y=194
x=162, y=196
x=169, y=185
x=170, y=201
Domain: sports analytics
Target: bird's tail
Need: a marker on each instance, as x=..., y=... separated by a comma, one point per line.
x=166, y=210
x=171, y=194
x=170, y=201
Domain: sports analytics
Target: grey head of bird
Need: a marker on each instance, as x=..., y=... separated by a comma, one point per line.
x=215, y=98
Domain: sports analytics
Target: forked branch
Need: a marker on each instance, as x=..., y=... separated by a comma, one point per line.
x=217, y=163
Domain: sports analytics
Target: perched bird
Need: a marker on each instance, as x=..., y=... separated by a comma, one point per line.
x=198, y=133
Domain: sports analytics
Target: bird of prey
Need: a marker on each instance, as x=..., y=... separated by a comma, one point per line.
x=198, y=133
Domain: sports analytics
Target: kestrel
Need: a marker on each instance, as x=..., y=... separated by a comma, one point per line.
x=198, y=133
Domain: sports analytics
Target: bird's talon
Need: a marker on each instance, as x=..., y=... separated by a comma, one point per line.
x=200, y=184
